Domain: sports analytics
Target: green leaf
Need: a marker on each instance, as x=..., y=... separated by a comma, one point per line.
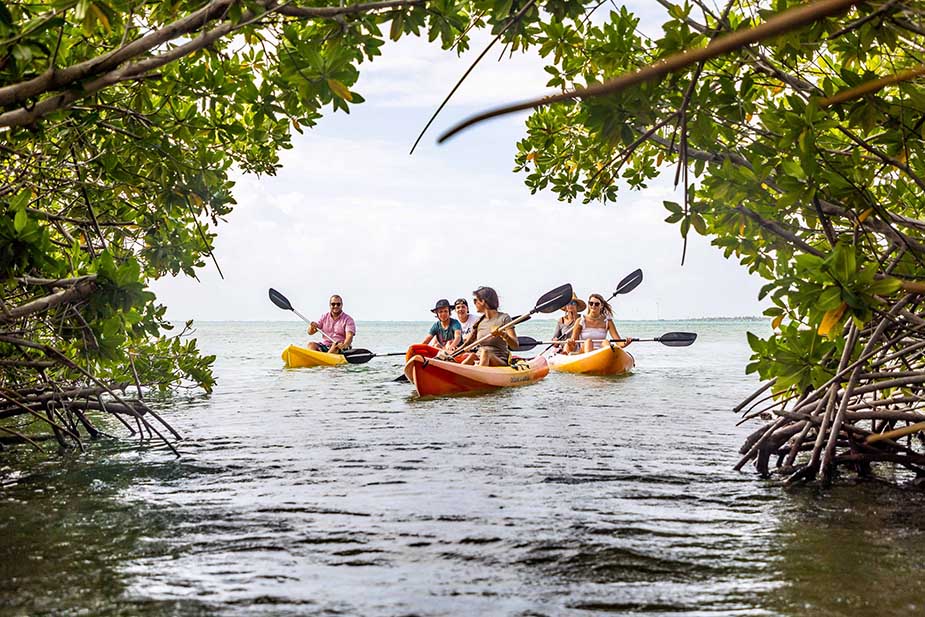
x=673, y=207
x=20, y=220
x=885, y=286
x=340, y=89
x=843, y=262
x=829, y=298
x=395, y=31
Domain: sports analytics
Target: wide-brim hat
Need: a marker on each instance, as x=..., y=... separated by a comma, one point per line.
x=441, y=303
x=579, y=303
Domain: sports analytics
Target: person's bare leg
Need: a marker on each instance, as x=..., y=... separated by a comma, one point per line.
x=490, y=359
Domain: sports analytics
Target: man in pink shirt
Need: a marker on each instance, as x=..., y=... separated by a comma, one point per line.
x=337, y=327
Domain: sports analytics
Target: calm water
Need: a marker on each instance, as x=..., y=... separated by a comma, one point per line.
x=335, y=492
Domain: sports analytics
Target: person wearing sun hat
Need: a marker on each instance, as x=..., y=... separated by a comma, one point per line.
x=595, y=327
x=446, y=333
x=565, y=324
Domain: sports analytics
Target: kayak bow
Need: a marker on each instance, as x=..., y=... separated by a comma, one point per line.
x=299, y=357
x=608, y=360
x=433, y=377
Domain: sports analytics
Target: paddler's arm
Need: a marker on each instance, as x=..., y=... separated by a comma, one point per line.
x=576, y=332
x=454, y=344
x=612, y=330
x=348, y=339
x=508, y=336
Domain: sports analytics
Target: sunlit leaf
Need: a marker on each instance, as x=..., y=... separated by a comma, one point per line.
x=831, y=318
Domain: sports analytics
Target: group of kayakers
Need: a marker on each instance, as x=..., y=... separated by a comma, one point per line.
x=451, y=334
x=590, y=328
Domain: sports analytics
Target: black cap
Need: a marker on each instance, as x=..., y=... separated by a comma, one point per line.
x=441, y=303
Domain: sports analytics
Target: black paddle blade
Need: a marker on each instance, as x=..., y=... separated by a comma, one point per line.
x=677, y=339
x=358, y=356
x=552, y=301
x=629, y=283
x=526, y=343
x=279, y=300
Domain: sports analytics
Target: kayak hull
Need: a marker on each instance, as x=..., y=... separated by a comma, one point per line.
x=608, y=360
x=433, y=377
x=300, y=357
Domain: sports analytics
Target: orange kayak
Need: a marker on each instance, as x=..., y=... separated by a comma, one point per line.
x=433, y=377
x=608, y=360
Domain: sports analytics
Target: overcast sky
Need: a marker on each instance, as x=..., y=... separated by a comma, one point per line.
x=352, y=213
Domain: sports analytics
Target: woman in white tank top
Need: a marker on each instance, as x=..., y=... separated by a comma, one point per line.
x=594, y=327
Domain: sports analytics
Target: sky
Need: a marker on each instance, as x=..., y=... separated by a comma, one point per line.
x=351, y=213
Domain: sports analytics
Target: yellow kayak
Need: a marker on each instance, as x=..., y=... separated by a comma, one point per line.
x=299, y=357
x=608, y=360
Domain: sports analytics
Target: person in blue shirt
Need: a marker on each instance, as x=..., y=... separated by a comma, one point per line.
x=446, y=333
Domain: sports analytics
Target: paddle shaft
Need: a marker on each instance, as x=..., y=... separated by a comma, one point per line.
x=558, y=300
x=478, y=342
x=309, y=322
x=282, y=302
x=669, y=339
x=560, y=340
x=596, y=340
x=572, y=327
x=364, y=355
x=629, y=283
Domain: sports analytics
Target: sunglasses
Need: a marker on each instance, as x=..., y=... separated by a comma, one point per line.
x=336, y=304
x=595, y=304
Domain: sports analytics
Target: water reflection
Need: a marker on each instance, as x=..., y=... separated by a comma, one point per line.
x=335, y=492
x=851, y=550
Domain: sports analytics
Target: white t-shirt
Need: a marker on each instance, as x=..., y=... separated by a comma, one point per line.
x=468, y=324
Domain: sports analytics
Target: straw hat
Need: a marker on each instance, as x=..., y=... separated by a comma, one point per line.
x=580, y=304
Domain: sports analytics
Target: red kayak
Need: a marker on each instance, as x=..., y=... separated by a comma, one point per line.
x=433, y=377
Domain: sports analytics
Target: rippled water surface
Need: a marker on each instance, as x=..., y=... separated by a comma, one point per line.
x=335, y=492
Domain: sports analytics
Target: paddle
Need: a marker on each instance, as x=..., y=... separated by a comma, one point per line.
x=283, y=302
x=549, y=302
x=629, y=283
x=669, y=339
x=362, y=356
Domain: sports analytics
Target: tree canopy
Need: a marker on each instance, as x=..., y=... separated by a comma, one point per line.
x=121, y=122
x=799, y=155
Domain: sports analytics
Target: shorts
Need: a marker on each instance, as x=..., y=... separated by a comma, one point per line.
x=503, y=357
x=326, y=348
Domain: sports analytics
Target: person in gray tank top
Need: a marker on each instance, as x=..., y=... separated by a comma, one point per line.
x=496, y=351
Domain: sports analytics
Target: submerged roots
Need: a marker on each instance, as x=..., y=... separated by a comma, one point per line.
x=871, y=411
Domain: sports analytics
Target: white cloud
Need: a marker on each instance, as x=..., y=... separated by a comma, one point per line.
x=351, y=212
